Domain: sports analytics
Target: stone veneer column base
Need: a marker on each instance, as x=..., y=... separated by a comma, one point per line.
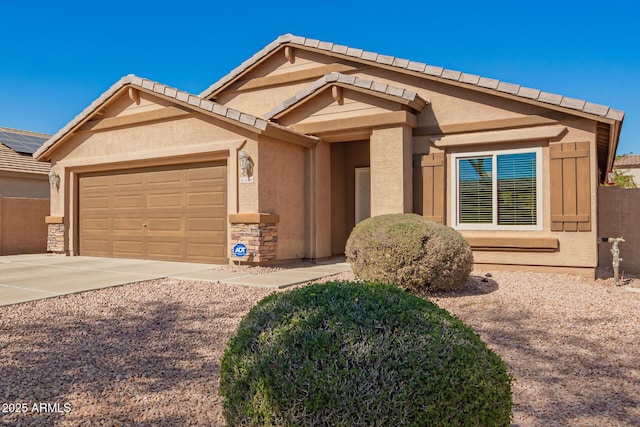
x=55, y=234
x=259, y=233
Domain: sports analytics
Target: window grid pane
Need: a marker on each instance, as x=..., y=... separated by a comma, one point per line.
x=475, y=186
x=517, y=189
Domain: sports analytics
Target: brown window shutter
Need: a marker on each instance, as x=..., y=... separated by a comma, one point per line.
x=570, y=186
x=433, y=187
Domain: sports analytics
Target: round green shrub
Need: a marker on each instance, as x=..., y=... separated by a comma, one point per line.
x=360, y=354
x=409, y=251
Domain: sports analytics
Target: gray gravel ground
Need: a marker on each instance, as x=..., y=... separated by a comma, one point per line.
x=148, y=353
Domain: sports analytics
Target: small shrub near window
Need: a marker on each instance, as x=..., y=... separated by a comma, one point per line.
x=410, y=251
x=360, y=354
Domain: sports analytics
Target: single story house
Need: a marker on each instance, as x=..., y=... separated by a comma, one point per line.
x=304, y=139
x=629, y=164
x=24, y=193
x=20, y=174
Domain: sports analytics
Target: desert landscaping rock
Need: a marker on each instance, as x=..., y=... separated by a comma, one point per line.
x=149, y=353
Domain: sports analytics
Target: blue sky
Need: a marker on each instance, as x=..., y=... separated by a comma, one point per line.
x=56, y=57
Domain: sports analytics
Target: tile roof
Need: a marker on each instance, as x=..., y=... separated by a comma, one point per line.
x=12, y=161
x=189, y=99
x=629, y=161
x=357, y=82
x=428, y=70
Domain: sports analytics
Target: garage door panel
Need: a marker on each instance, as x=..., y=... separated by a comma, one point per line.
x=128, y=201
x=96, y=182
x=203, y=225
x=207, y=175
x=183, y=207
x=166, y=177
x=127, y=225
x=164, y=250
x=96, y=245
x=201, y=199
x=96, y=202
x=128, y=180
x=95, y=225
x=127, y=248
x=170, y=200
x=174, y=225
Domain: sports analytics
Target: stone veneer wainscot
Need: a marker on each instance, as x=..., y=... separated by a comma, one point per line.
x=55, y=234
x=259, y=232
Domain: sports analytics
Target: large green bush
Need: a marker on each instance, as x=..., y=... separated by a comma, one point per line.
x=360, y=354
x=409, y=251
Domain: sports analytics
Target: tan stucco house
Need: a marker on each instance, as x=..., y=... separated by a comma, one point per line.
x=20, y=174
x=24, y=193
x=629, y=164
x=293, y=147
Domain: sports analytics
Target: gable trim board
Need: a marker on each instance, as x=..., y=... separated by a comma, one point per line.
x=319, y=111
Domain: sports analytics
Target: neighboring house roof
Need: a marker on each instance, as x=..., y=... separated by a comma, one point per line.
x=16, y=147
x=425, y=69
x=402, y=95
x=628, y=161
x=180, y=97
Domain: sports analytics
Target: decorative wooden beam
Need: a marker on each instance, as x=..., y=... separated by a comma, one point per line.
x=134, y=95
x=288, y=53
x=336, y=93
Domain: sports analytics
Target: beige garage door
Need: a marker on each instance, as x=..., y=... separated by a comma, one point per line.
x=174, y=213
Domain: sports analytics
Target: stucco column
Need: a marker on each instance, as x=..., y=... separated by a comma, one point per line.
x=391, y=170
x=318, y=198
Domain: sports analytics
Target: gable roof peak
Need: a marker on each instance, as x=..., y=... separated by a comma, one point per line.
x=428, y=70
x=403, y=95
x=179, y=96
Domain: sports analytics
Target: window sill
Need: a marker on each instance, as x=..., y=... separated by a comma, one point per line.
x=525, y=244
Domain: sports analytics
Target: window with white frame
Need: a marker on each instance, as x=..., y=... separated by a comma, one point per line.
x=498, y=190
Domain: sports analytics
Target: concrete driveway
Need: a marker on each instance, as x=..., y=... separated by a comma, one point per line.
x=32, y=277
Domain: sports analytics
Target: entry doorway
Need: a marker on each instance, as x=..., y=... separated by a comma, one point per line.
x=350, y=190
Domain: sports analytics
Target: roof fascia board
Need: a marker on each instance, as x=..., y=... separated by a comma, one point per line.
x=351, y=124
x=614, y=138
x=285, y=134
x=8, y=172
